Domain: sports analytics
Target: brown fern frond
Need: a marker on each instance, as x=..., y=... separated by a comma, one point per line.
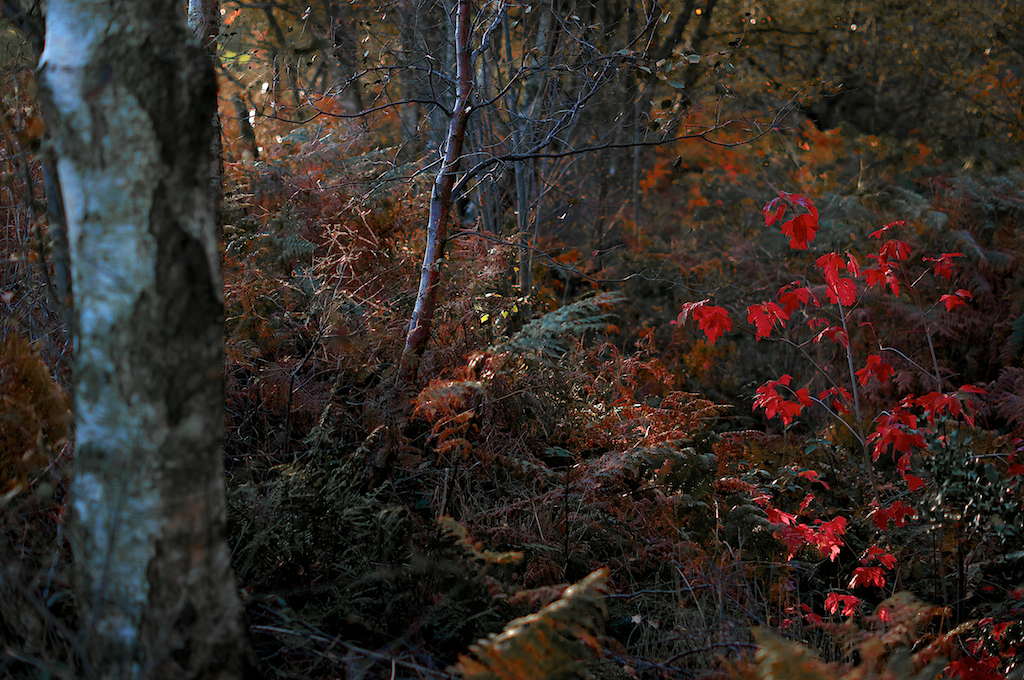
x=445, y=398
x=34, y=412
x=538, y=597
x=555, y=642
x=457, y=531
x=778, y=657
x=450, y=406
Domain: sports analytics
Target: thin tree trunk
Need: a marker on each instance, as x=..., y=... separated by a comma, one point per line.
x=633, y=120
x=440, y=205
x=130, y=98
x=204, y=22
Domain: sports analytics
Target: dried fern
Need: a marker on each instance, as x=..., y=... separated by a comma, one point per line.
x=887, y=647
x=450, y=405
x=34, y=412
x=780, y=658
x=457, y=531
x=553, y=643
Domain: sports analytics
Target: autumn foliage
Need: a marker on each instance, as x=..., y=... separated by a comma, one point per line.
x=756, y=412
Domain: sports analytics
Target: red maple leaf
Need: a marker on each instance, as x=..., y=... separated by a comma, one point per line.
x=835, y=393
x=914, y=482
x=879, y=233
x=867, y=576
x=714, y=321
x=897, y=429
x=774, y=210
x=776, y=516
x=801, y=228
x=830, y=264
x=848, y=602
x=792, y=299
x=684, y=311
x=944, y=264
x=765, y=317
x=874, y=552
x=842, y=291
x=852, y=265
x=881, y=516
x=882, y=275
x=935, y=403
x=774, y=405
x=827, y=538
x=811, y=617
x=876, y=367
x=977, y=664
x=813, y=476
x=893, y=250
x=834, y=333
x=957, y=299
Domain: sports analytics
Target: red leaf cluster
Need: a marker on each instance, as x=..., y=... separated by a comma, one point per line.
x=793, y=295
x=957, y=299
x=774, y=405
x=944, y=264
x=714, y=321
x=877, y=368
x=899, y=430
x=840, y=291
x=849, y=603
x=802, y=227
x=897, y=512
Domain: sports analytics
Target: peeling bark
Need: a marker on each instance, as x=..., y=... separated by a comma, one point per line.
x=129, y=97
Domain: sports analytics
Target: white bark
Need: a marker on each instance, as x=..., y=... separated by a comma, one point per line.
x=129, y=98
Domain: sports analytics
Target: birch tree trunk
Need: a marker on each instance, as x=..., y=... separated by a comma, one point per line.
x=129, y=98
x=440, y=205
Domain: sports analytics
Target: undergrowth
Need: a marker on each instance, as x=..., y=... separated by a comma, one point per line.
x=575, y=488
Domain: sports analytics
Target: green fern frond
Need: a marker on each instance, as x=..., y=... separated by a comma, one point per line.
x=966, y=242
x=296, y=248
x=1015, y=343
x=552, y=644
x=1008, y=394
x=545, y=338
